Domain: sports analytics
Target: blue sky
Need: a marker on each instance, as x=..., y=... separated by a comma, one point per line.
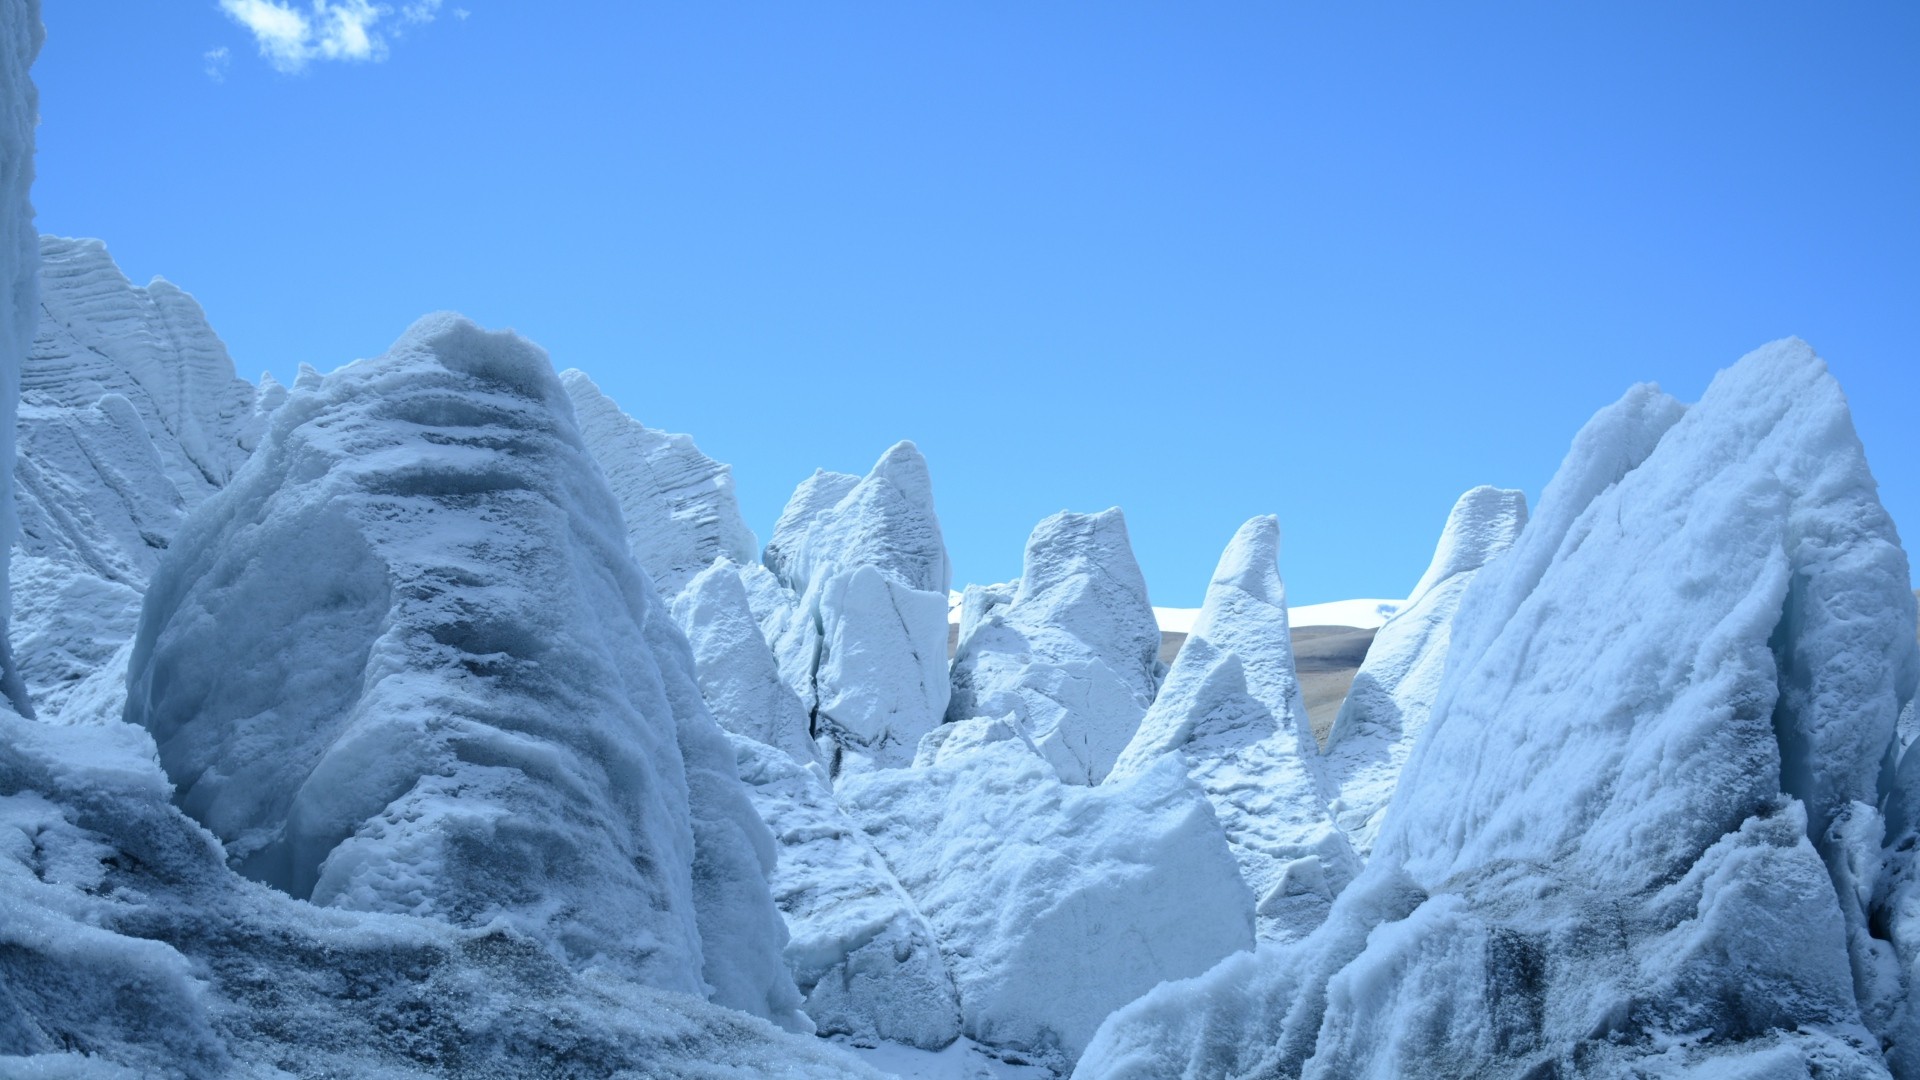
x=1333, y=262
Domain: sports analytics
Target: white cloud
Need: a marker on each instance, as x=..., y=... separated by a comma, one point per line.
x=291, y=38
x=216, y=61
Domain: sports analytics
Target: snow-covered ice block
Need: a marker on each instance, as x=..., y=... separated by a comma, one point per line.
x=679, y=505
x=1394, y=690
x=20, y=38
x=1626, y=841
x=1054, y=903
x=864, y=558
x=1231, y=713
x=738, y=676
x=406, y=663
x=1073, y=655
x=859, y=950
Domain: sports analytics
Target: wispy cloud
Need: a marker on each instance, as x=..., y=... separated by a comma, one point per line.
x=291, y=37
x=216, y=61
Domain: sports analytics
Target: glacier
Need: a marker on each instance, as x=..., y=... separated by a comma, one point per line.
x=1622, y=844
x=1394, y=690
x=433, y=717
x=1072, y=655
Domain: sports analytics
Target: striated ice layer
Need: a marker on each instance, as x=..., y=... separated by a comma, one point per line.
x=404, y=663
x=1394, y=690
x=678, y=503
x=1232, y=714
x=20, y=38
x=1073, y=654
x=1639, y=833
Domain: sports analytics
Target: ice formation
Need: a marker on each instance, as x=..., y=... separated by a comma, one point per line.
x=404, y=663
x=736, y=670
x=1231, y=713
x=1054, y=903
x=678, y=503
x=1639, y=833
x=1073, y=654
x=129, y=416
x=21, y=33
x=860, y=950
x=1394, y=691
x=866, y=635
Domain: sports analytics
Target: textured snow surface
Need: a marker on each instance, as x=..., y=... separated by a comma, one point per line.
x=405, y=663
x=1055, y=903
x=736, y=670
x=128, y=948
x=1231, y=713
x=678, y=503
x=130, y=415
x=20, y=38
x=860, y=950
x=866, y=638
x=1394, y=690
x=1073, y=654
x=1598, y=857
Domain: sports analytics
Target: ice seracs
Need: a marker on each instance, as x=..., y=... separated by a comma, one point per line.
x=1232, y=714
x=735, y=668
x=859, y=950
x=405, y=663
x=1628, y=839
x=678, y=503
x=866, y=563
x=20, y=38
x=1054, y=903
x=1393, y=692
x=1073, y=654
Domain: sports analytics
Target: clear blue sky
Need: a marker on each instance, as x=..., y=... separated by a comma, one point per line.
x=1337, y=262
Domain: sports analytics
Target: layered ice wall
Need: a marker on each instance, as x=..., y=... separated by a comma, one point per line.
x=1394, y=690
x=20, y=38
x=866, y=562
x=130, y=415
x=1231, y=712
x=1629, y=837
x=678, y=503
x=1073, y=656
x=405, y=663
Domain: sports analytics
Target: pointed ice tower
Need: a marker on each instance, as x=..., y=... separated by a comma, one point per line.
x=405, y=663
x=1639, y=834
x=678, y=503
x=1231, y=709
x=1073, y=656
x=867, y=563
x=1393, y=691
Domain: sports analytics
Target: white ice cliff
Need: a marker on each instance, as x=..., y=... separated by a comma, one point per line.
x=1394, y=690
x=20, y=38
x=1073, y=656
x=1631, y=840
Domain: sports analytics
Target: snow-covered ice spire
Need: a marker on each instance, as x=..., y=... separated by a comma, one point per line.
x=679, y=504
x=1394, y=689
x=405, y=663
x=867, y=635
x=1231, y=707
x=1073, y=656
